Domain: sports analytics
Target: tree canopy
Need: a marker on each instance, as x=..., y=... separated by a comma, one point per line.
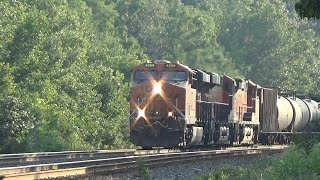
x=308, y=8
x=65, y=64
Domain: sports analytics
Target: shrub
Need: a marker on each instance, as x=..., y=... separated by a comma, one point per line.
x=143, y=169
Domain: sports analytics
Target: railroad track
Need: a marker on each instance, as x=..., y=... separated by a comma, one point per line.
x=118, y=164
x=24, y=159
x=12, y=160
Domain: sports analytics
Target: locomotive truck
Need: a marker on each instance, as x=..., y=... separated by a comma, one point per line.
x=173, y=105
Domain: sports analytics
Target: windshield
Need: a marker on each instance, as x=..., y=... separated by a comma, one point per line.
x=140, y=76
x=174, y=76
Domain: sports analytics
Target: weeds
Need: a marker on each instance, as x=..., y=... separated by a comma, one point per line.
x=143, y=169
x=296, y=163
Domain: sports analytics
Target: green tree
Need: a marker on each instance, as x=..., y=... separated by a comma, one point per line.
x=65, y=64
x=271, y=49
x=308, y=8
x=59, y=58
x=173, y=31
x=16, y=121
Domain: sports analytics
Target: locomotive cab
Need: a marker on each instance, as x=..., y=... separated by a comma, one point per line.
x=158, y=104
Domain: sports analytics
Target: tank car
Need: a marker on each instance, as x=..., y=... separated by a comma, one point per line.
x=283, y=115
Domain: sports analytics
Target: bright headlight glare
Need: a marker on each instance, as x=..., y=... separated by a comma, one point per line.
x=141, y=113
x=157, y=88
x=170, y=114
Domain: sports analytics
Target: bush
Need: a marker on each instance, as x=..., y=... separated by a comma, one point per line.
x=143, y=169
x=294, y=163
x=306, y=141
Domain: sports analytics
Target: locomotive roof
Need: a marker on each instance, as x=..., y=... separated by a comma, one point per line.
x=166, y=62
x=187, y=67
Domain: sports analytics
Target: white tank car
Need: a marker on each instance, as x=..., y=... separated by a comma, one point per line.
x=305, y=114
x=288, y=109
x=285, y=113
x=297, y=111
x=316, y=112
x=312, y=109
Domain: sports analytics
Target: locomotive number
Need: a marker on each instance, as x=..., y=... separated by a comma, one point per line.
x=149, y=65
x=171, y=65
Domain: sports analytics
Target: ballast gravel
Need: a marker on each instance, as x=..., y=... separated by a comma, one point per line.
x=189, y=170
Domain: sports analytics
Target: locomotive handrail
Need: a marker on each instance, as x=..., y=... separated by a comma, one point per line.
x=178, y=110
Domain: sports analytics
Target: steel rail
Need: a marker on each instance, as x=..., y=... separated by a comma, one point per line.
x=112, y=165
x=11, y=160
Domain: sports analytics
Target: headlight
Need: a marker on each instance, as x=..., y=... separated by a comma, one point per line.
x=141, y=113
x=157, y=88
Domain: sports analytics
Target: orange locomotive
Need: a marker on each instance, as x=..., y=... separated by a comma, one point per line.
x=173, y=105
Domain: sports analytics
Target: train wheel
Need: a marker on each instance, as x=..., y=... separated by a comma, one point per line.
x=270, y=140
x=169, y=147
x=255, y=136
x=231, y=139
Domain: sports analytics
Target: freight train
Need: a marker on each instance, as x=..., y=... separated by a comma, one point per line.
x=172, y=105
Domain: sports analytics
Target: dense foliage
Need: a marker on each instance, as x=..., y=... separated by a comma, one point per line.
x=65, y=64
x=299, y=162
x=308, y=8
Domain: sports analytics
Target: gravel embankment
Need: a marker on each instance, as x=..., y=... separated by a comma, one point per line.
x=178, y=171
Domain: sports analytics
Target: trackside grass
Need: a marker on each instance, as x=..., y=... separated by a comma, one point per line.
x=295, y=163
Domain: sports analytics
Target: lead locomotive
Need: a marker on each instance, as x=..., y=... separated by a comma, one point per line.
x=173, y=105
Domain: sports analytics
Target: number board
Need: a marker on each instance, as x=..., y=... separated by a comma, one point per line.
x=149, y=65
x=170, y=65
